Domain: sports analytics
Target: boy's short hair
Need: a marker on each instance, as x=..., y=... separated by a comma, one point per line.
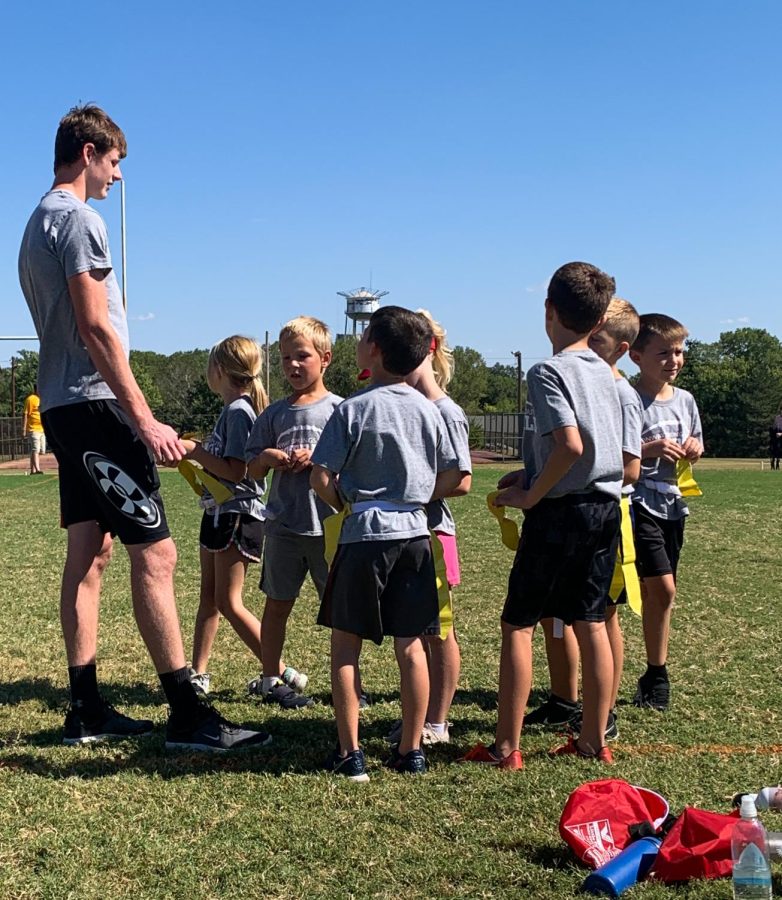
x=403, y=336
x=580, y=293
x=659, y=325
x=310, y=328
x=87, y=124
x=622, y=321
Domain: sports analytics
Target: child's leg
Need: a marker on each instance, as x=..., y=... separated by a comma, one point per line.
x=273, y=630
x=562, y=654
x=659, y=593
x=414, y=679
x=230, y=569
x=445, y=661
x=617, y=642
x=515, y=684
x=345, y=651
x=208, y=615
x=597, y=672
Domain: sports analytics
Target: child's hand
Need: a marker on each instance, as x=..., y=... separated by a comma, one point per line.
x=300, y=459
x=275, y=459
x=189, y=447
x=518, y=477
x=515, y=496
x=693, y=449
x=663, y=448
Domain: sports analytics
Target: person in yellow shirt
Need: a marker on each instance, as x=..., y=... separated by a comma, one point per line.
x=31, y=425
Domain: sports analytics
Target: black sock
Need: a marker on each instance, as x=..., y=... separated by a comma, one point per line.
x=180, y=693
x=84, y=687
x=656, y=673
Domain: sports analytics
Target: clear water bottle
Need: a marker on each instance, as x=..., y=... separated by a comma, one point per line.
x=749, y=849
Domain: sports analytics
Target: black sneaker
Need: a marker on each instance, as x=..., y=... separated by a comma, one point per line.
x=554, y=713
x=286, y=697
x=611, y=733
x=106, y=723
x=364, y=700
x=412, y=763
x=212, y=734
x=653, y=693
x=353, y=766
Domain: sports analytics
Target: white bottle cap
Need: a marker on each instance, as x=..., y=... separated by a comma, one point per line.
x=748, y=809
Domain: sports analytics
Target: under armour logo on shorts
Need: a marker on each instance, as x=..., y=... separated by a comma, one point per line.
x=122, y=491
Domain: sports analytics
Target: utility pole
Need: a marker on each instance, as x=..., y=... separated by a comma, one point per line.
x=13, y=385
x=519, y=377
x=267, y=354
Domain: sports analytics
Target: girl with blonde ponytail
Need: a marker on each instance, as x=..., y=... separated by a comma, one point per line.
x=231, y=532
x=444, y=656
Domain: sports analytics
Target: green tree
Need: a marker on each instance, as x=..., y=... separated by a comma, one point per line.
x=502, y=390
x=342, y=375
x=470, y=379
x=737, y=383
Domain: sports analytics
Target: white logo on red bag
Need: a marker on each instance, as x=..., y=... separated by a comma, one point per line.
x=600, y=846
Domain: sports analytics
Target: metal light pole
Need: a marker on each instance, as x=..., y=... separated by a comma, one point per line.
x=519, y=376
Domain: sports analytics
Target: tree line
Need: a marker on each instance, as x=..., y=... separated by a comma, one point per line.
x=736, y=380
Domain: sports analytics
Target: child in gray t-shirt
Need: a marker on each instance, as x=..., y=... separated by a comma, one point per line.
x=231, y=533
x=385, y=453
x=282, y=441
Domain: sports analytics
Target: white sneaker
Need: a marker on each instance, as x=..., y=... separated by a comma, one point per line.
x=429, y=736
x=200, y=681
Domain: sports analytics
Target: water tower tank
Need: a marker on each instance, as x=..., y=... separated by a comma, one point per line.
x=360, y=306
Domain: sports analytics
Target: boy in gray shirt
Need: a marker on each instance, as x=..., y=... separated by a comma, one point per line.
x=569, y=489
x=386, y=454
x=671, y=432
x=282, y=439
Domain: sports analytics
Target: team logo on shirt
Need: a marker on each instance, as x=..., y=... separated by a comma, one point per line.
x=299, y=437
x=122, y=491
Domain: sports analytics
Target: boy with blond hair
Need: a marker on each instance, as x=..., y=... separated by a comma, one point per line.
x=671, y=432
x=569, y=488
x=282, y=440
x=611, y=341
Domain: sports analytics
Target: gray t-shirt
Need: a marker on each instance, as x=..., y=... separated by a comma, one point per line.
x=386, y=443
x=632, y=417
x=438, y=513
x=63, y=238
x=229, y=439
x=575, y=388
x=676, y=419
x=292, y=506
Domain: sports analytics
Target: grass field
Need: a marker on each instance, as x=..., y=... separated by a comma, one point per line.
x=129, y=820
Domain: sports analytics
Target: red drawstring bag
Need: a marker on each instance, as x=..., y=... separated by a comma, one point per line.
x=597, y=816
x=698, y=846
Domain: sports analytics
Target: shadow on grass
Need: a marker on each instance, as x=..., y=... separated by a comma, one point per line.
x=57, y=696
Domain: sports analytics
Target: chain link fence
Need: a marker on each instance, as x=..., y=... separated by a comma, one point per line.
x=12, y=444
x=497, y=433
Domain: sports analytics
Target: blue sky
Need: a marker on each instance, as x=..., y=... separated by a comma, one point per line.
x=459, y=152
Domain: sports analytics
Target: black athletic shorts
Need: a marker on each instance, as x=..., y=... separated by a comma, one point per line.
x=565, y=561
x=658, y=543
x=107, y=475
x=219, y=532
x=378, y=588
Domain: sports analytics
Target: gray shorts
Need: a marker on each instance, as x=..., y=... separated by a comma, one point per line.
x=286, y=560
x=37, y=442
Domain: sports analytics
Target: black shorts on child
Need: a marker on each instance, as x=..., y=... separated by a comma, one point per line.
x=219, y=532
x=658, y=543
x=565, y=561
x=378, y=588
x=107, y=475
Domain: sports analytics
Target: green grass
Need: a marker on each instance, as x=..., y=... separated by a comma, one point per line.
x=129, y=820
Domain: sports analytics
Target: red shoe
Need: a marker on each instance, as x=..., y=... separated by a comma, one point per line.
x=489, y=757
x=603, y=755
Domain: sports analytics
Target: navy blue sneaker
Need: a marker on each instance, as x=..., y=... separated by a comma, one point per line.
x=412, y=763
x=83, y=726
x=353, y=766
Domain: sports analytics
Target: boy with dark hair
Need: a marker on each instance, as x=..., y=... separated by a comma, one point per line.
x=570, y=489
x=611, y=341
x=107, y=443
x=671, y=432
x=385, y=453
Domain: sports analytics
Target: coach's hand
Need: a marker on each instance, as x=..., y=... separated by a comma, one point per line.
x=163, y=442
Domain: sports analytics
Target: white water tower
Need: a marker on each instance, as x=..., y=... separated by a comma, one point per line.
x=360, y=306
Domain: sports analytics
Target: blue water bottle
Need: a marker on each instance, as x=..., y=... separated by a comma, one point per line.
x=624, y=870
